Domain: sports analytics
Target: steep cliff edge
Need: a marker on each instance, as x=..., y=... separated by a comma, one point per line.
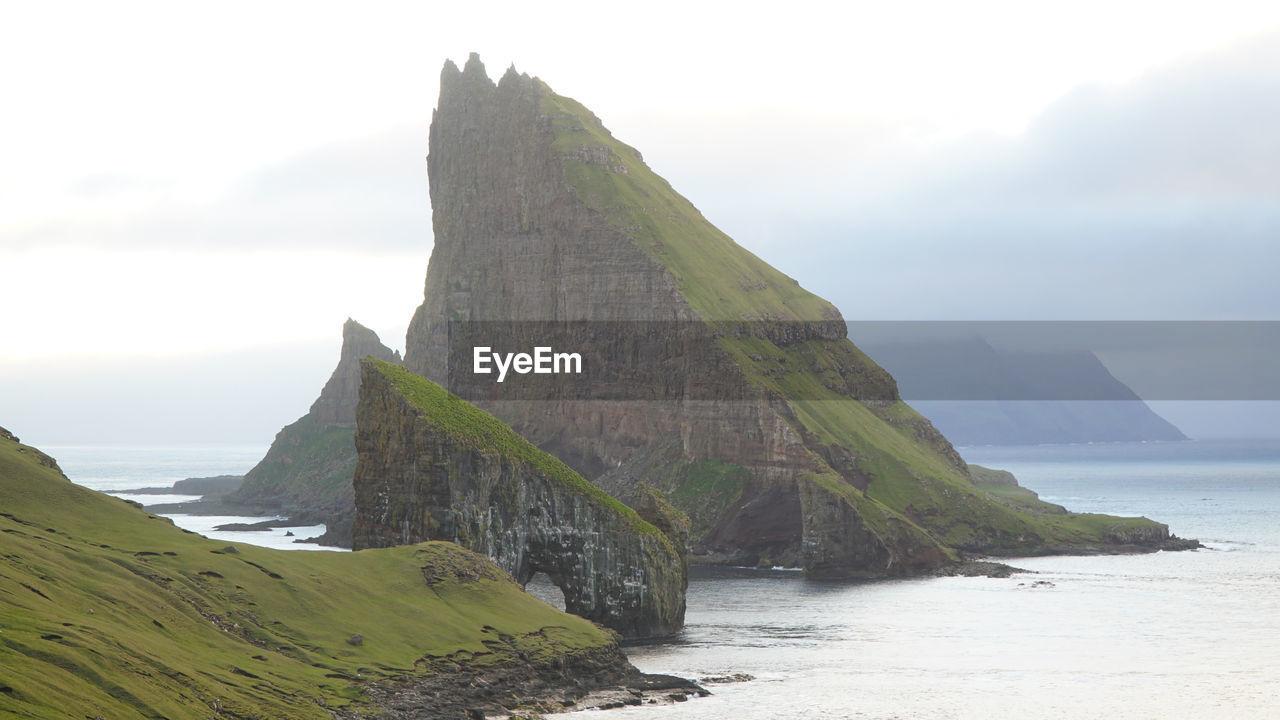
x=307, y=470
x=780, y=439
x=109, y=611
x=433, y=467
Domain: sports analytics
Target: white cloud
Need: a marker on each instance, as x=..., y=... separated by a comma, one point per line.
x=1156, y=199
x=66, y=302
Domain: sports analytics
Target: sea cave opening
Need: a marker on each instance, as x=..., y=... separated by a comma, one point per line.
x=541, y=587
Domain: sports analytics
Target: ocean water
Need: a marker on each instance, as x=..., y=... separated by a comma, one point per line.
x=1160, y=636
x=112, y=468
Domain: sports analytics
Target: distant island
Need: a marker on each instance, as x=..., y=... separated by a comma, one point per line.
x=977, y=394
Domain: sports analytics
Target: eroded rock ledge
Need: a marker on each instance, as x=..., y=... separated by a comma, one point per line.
x=434, y=467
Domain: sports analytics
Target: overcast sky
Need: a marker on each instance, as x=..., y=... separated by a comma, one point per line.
x=184, y=185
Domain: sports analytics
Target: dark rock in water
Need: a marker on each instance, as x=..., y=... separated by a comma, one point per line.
x=1175, y=543
x=649, y=683
x=209, y=487
x=981, y=568
x=724, y=679
x=433, y=467
x=263, y=526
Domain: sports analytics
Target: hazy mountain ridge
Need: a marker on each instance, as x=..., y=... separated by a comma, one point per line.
x=977, y=394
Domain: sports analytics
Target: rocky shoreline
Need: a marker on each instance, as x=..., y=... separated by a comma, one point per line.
x=217, y=499
x=598, y=679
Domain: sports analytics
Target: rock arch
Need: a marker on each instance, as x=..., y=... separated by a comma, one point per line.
x=433, y=467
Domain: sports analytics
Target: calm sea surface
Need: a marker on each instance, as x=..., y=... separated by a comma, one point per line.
x=112, y=468
x=1166, y=635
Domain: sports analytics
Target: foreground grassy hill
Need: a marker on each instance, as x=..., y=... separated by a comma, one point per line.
x=108, y=611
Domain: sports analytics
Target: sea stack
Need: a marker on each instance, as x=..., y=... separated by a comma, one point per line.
x=745, y=405
x=307, y=471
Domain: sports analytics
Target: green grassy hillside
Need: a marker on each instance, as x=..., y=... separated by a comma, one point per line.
x=721, y=280
x=107, y=611
x=487, y=434
x=308, y=467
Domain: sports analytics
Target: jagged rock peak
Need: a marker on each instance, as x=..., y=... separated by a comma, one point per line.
x=337, y=402
x=473, y=81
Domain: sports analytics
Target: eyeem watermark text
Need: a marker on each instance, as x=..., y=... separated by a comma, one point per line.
x=543, y=361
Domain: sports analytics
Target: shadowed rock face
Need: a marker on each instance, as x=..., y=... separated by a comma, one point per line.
x=336, y=405
x=433, y=467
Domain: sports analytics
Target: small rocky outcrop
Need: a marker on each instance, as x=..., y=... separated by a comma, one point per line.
x=434, y=467
x=40, y=457
x=307, y=471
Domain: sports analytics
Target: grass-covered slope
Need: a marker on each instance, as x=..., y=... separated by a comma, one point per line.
x=107, y=611
x=1004, y=487
x=902, y=469
x=308, y=467
x=483, y=432
x=720, y=279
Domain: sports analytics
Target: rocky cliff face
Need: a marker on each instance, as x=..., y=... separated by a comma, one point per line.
x=336, y=406
x=433, y=467
x=307, y=470
x=782, y=441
